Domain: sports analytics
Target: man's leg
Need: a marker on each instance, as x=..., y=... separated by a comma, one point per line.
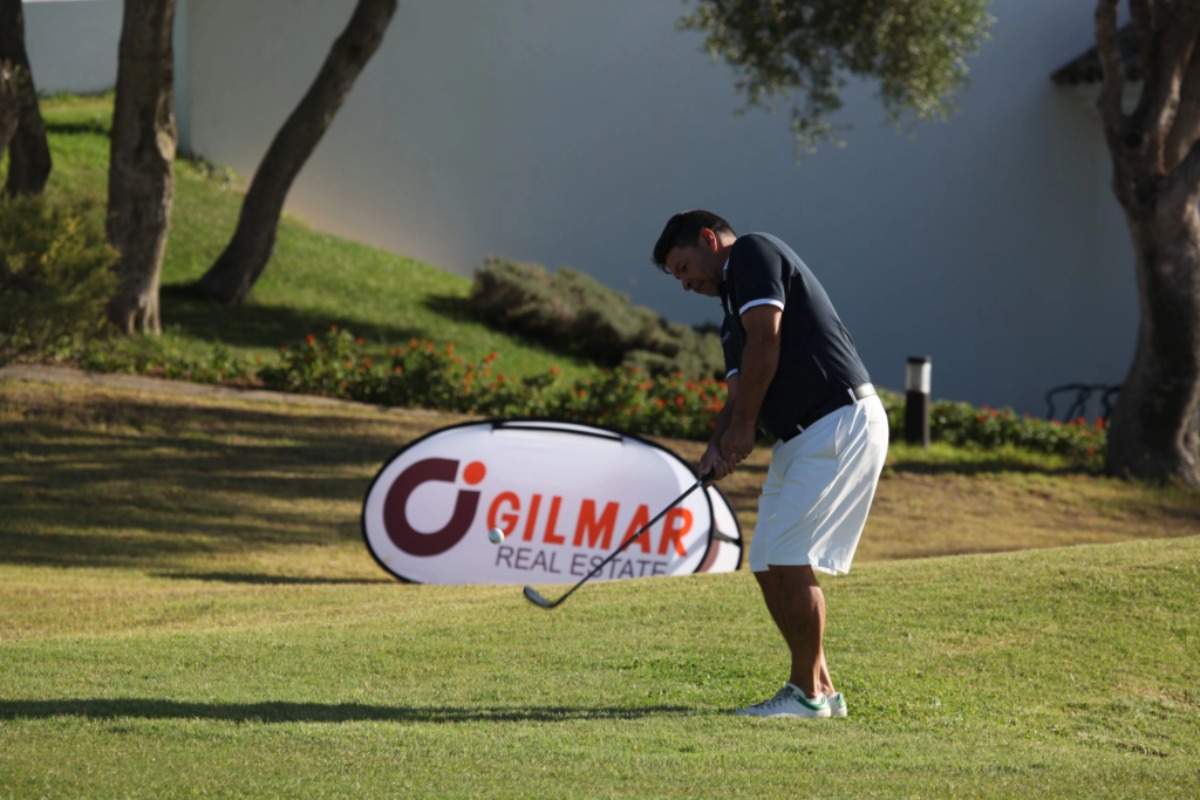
x=797, y=605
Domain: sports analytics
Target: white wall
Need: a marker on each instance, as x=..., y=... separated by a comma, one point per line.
x=566, y=133
x=72, y=44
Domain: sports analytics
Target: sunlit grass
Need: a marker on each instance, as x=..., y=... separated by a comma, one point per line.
x=313, y=280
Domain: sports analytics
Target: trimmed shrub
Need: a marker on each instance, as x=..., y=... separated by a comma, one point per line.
x=575, y=314
x=56, y=275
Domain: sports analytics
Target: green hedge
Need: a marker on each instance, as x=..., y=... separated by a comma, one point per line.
x=570, y=312
x=422, y=374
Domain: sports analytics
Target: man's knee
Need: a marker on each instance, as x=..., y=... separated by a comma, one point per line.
x=799, y=576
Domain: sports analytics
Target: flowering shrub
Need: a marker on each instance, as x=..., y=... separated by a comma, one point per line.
x=421, y=374
x=325, y=365
x=628, y=399
x=962, y=424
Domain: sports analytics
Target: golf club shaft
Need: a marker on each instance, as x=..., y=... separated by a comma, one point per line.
x=608, y=559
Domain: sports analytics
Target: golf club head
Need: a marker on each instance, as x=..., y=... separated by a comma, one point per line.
x=532, y=596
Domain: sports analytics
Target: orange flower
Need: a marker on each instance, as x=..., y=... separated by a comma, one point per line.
x=310, y=339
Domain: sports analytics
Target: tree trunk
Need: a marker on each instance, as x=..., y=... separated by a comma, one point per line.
x=1155, y=151
x=235, y=272
x=29, y=154
x=1155, y=424
x=10, y=110
x=141, y=167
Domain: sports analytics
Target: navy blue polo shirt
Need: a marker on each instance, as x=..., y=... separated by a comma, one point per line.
x=817, y=359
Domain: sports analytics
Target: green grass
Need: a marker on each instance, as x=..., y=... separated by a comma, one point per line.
x=186, y=609
x=313, y=280
x=1073, y=671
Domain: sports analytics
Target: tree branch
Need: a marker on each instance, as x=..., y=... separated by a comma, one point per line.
x=1170, y=55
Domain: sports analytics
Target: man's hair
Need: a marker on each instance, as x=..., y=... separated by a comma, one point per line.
x=683, y=230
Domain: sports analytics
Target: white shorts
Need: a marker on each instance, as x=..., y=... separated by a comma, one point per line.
x=819, y=489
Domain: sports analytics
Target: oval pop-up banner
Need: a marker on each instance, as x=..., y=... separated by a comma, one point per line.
x=565, y=495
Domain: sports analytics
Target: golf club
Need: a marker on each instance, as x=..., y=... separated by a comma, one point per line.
x=533, y=596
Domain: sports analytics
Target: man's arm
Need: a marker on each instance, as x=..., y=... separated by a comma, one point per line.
x=711, y=460
x=760, y=359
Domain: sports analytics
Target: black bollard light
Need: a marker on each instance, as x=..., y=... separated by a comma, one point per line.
x=917, y=382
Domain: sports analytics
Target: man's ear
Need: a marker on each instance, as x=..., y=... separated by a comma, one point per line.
x=709, y=239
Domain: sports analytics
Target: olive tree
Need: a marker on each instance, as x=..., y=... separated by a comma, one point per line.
x=1155, y=150
x=915, y=50
x=806, y=51
x=230, y=279
x=141, y=172
x=29, y=161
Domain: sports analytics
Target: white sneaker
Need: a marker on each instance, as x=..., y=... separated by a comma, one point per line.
x=789, y=702
x=837, y=705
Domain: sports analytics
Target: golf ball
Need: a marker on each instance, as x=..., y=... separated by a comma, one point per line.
x=495, y=536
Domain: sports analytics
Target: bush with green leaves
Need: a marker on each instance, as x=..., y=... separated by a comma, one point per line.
x=56, y=274
x=627, y=398
x=160, y=356
x=574, y=313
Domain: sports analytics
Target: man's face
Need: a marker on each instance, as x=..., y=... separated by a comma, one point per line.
x=698, y=267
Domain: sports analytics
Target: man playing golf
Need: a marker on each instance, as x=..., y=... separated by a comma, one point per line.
x=792, y=368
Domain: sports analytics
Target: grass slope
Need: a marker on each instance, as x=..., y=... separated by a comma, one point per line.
x=313, y=280
x=186, y=609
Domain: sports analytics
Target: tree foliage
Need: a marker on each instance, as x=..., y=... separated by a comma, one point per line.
x=55, y=273
x=807, y=50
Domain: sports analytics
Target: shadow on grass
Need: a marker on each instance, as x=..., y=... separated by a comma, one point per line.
x=266, y=326
x=284, y=712
x=130, y=483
